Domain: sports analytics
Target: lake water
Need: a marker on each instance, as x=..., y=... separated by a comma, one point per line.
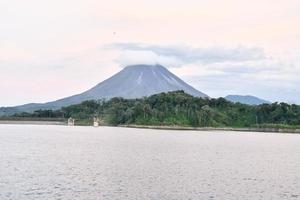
x=87, y=163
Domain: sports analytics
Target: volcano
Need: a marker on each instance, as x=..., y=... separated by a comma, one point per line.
x=133, y=81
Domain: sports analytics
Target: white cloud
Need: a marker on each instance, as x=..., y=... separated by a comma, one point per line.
x=219, y=71
x=184, y=54
x=131, y=57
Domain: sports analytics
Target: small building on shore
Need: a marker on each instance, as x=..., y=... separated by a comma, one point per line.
x=96, y=121
x=71, y=121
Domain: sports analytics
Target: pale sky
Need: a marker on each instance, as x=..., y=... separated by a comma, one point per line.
x=56, y=48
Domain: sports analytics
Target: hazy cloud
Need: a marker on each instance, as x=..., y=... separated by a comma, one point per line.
x=45, y=56
x=177, y=55
x=220, y=70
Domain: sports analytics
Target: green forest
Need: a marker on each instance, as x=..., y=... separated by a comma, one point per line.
x=177, y=109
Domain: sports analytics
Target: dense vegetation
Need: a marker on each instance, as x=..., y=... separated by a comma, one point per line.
x=178, y=108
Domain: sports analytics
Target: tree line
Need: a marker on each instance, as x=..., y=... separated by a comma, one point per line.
x=177, y=108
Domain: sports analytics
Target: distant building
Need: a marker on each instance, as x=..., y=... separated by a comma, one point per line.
x=71, y=121
x=96, y=121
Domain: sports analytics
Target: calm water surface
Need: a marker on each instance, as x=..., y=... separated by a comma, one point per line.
x=86, y=163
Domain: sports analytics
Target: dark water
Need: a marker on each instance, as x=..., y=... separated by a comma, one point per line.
x=58, y=162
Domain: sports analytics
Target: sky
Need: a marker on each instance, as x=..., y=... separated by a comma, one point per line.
x=54, y=49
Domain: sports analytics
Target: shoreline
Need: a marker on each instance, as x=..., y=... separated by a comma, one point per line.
x=265, y=130
x=32, y=122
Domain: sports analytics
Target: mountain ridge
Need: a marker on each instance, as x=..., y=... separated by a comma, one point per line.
x=246, y=99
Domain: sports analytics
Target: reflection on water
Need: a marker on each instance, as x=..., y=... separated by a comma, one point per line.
x=58, y=162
